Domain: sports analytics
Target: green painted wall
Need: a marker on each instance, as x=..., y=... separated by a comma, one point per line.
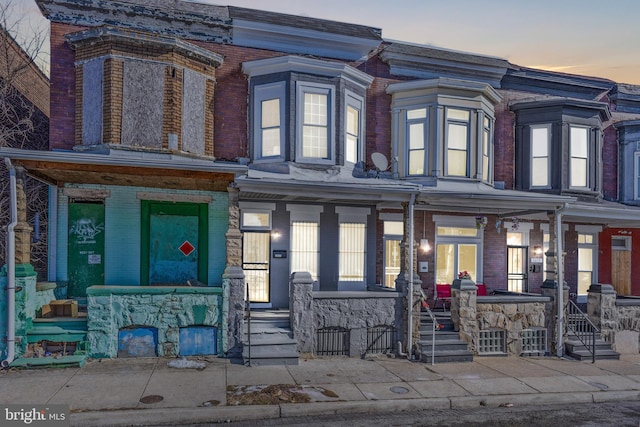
x=122, y=233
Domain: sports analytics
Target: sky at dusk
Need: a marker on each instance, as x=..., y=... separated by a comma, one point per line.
x=588, y=37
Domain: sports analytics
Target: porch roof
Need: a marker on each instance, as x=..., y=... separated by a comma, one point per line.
x=475, y=197
x=126, y=168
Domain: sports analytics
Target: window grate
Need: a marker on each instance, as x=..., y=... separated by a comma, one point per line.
x=333, y=341
x=381, y=339
x=492, y=341
x=534, y=341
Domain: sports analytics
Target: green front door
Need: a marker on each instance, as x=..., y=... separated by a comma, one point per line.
x=86, y=247
x=174, y=243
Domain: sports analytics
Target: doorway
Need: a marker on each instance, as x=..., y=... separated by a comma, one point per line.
x=86, y=247
x=174, y=244
x=255, y=263
x=518, y=268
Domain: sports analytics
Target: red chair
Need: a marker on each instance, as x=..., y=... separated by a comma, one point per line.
x=443, y=294
x=482, y=289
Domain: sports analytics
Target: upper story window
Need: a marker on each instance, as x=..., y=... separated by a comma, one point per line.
x=540, y=139
x=559, y=146
x=157, y=98
x=629, y=161
x=444, y=128
x=487, y=142
x=417, y=141
x=457, y=142
x=314, y=122
x=353, y=146
x=579, y=149
x=306, y=110
x=268, y=126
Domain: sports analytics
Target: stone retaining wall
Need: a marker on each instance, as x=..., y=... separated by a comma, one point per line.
x=355, y=311
x=617, y=318
x=167, y=308
x=512, y=316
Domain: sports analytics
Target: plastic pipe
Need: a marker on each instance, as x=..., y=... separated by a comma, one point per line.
x=11, y=268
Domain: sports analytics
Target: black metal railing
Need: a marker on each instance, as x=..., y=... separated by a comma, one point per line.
x=580, y=325
x=381, y=339
x=332, y=341
x=434, y=323
x=247, y=317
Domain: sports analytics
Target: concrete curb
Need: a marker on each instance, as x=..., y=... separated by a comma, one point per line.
x=175, y=416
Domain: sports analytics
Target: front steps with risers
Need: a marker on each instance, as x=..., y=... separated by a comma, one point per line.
x=270, y=341
x=575, y=349
x=448, y=345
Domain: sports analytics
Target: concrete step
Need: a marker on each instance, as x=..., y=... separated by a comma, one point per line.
x=55, y=334
x=49, y=362
x=270, y=355
x=600, y=355
x=447, y=356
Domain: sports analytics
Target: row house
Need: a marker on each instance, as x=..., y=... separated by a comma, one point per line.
x=203, y=158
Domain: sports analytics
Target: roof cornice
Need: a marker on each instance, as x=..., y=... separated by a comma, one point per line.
x=602, y=108
x=427, y=62
x=107, y=34
x=484, y=89
x=306, y=65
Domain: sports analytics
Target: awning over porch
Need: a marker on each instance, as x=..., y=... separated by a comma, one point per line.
x=124, y=167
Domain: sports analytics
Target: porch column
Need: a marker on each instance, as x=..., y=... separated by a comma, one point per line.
x=23, y=229
x=601, y=309
x=411, y=296
x=234, y=236
x=233, y=306
x=301, y=314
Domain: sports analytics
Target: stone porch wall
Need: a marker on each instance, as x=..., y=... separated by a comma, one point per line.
x=167, y=308
x=356, y=311
x=617, y=317
x=510, y=313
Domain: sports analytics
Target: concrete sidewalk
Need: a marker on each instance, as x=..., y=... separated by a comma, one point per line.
x=112, y=392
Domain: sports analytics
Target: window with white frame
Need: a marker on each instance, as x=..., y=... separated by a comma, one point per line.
x=487, y=145
x=587, y=261
x=269, y=121
x=305, y=239
x=393, y=231
x=416, y=144
x=458, y=248
x=457, y=137
x=579, y=152
x=354, y=123
x=314, y=122
x=636, y=175
x=443, y=128
x=540, y=139
x=352, y=246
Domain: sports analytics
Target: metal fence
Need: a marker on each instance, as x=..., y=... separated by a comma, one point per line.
x=332, y=341
x=381, y=339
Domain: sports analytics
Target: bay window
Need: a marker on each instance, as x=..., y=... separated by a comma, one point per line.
x=354, y=123
x=416, y=131
x=268, y=123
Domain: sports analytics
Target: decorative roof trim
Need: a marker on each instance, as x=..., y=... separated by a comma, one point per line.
x=428, y=62
x=111, y=34
x=484, y=89
x=301, y=41
x=601, y=108
x=301, y=64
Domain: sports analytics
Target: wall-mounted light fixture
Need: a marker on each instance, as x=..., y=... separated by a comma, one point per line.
x=424, y=245
x=275, y=235
x=537, y=250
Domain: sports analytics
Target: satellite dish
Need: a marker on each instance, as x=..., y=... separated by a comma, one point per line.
x=380, y=161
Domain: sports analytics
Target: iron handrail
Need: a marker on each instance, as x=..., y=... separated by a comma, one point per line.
x=434, y=324
x=247, y=306
x=583, y=328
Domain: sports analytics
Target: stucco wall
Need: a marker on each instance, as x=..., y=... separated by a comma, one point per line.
x=122, y=234
x=167, y=308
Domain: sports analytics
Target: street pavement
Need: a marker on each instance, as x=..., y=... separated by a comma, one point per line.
x=147, y=391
